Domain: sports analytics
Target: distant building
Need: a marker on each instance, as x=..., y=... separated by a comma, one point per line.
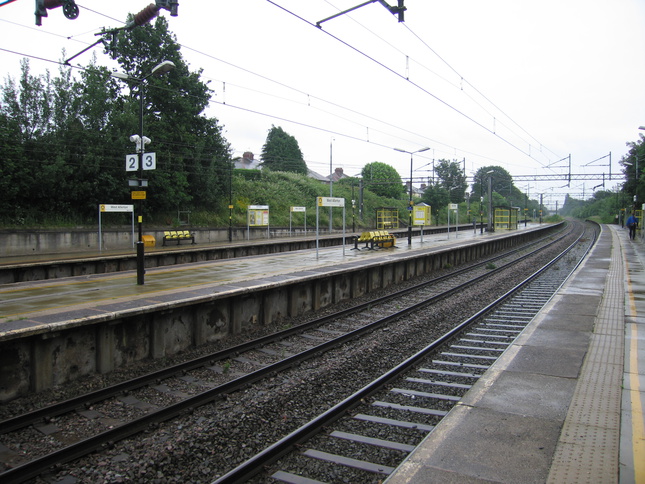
x=337, y=175
x=317, y=176
x=247, y=162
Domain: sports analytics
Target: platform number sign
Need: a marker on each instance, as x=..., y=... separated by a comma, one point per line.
x=149, y=162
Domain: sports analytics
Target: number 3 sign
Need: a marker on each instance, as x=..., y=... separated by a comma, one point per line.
x=149, y=162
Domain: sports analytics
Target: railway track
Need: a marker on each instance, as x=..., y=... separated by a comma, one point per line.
x=149, y=400
x=364, y=437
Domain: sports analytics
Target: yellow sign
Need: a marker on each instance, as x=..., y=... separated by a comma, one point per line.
x=422, y=215
x=138, y=195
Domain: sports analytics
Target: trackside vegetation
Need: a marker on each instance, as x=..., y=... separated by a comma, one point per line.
x=64, y=138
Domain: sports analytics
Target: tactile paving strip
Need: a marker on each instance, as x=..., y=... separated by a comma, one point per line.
x=588, y=447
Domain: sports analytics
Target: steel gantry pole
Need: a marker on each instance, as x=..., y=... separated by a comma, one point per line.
x=411, y=153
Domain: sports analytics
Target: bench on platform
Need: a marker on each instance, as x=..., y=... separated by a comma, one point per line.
x=375, y=239
x=177, y=235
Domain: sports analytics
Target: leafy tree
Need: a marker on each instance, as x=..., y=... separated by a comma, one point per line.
x=193, y=157
x=383, y=180
x=501, y=180
x=436, y=196
x=64, y=139
x=13, y=175
x=633, y=164
x=452, y=179
x=282, y=153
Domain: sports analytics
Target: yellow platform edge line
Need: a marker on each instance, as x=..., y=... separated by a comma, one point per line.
x=638, y=424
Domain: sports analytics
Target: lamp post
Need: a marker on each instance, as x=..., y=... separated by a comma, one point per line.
x=481, y=200
x=411, y=153
x=481, y=205
x=331, y=179
x=490, y=201
x=140, y=140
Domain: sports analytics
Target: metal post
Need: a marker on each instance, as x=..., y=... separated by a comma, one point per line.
x=410, y=206
x=353, y=209
x=140, y=246
x=331, y=181
x=481, y=205
x=457, y=222
x=411, y=153
x=230, y=203
x=490, y=202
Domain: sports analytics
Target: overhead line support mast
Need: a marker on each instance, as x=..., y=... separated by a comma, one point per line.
x=398, y=10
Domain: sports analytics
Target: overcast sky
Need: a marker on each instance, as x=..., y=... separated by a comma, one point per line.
x=519, y=84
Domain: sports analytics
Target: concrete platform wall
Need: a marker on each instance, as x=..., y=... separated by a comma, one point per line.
x=79, y=348
x=186, y=253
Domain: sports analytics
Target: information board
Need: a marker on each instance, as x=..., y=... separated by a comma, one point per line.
x=331, y=202
x=422, y=215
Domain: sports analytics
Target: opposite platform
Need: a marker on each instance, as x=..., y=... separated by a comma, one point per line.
x=565, y=402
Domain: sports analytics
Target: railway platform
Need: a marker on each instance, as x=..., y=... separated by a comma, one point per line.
x=26, y=306
x=53, y=331
x=565, y=403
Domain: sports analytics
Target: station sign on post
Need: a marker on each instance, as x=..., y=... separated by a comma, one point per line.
x=104, y=207
x=331, y=202
x=298, y=210
x=257, y=216
x=422, y=215
x=113, y=207
x=455, y=207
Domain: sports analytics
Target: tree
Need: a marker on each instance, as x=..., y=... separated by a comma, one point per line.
x=64, y=139
x=501, y=180
x=282, y=153
x=633, y=160
x=437, y=197
x=383, y=180
x=194, y=162
x=13, y=177
x=452, y=179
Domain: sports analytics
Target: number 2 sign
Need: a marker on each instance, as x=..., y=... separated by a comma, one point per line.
x=149, y=162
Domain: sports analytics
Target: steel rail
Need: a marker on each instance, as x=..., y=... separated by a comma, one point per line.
x=255, y=465
x=85, y=400
x=79, y=449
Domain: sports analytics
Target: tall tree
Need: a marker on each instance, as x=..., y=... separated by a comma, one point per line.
x=452, y=179
x=282, y=153
x=633, y=167
x=437, y=197
x=193, y=157
x=500, y=180
x=382, y=179
x=14, y=180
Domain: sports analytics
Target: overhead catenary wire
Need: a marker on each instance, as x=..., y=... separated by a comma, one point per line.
x=397, y=74
x=461, y=79
x=336, y=132
x=373, y=129
x=281, y=118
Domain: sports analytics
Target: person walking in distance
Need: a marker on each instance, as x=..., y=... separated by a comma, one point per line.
x=632, y=223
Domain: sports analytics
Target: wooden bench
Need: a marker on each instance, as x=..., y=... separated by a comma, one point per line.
x=177, y=235
x=375, y=239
